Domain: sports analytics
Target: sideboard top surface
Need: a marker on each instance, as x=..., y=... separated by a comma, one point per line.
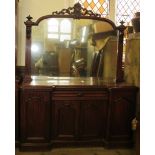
x=46, y=82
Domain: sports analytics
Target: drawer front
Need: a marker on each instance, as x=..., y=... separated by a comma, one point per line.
x=59, y=95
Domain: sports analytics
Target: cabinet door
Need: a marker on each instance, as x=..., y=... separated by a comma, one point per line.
x=121, y=113
x=65, y=119
x=93, y=117
x=79, y=115
x=35, y=114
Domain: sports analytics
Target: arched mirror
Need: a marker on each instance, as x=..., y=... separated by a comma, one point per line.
x=74, y=42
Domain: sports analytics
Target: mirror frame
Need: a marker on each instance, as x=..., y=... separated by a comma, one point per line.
x=75, y=12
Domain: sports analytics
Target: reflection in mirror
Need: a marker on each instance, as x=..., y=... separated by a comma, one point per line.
x=71, y=47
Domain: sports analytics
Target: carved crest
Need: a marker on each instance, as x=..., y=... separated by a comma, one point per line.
x=77, y=11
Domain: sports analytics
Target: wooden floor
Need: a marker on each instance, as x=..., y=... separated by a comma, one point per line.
x=81, y=151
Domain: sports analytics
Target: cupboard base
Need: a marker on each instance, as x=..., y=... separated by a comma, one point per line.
x=66, y=144
x=35, y=147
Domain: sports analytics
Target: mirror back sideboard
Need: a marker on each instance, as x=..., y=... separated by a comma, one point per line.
x=79, y=109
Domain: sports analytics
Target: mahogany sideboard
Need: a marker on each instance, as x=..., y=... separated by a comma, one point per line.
x=75, y=112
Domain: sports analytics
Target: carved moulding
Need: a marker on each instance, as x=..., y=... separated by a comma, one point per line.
x=77, y=11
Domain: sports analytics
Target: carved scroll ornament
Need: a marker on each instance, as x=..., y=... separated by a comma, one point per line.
x=77, y=11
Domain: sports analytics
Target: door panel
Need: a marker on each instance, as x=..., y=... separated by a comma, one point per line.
x=65, y=119
x=93, y=119
x=35, y=115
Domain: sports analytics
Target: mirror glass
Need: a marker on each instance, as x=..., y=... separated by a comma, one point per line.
x=66, y=47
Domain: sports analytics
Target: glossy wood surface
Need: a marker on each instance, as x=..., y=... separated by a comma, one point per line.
x=121, y=113
x=93, y=112
x=81, y=82
x=35, y=117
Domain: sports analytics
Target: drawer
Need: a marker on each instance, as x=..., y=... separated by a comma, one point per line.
x=80, y=95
